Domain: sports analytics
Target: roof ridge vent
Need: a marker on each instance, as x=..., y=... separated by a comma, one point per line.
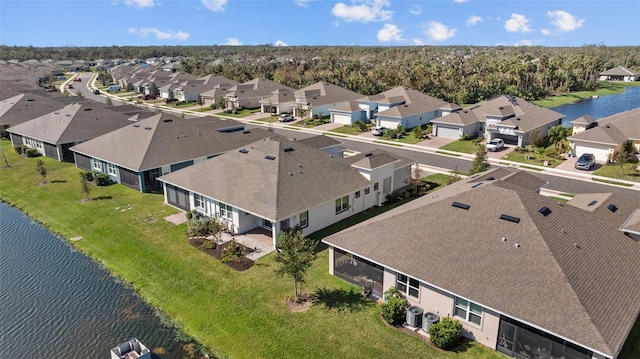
x=509, y=218
x=461, y=205
x=545, y=211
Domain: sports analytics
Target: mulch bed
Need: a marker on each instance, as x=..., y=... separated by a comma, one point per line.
x=424, y=338
x=241, y=264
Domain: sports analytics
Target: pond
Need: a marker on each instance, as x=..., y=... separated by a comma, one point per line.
x=600, y=107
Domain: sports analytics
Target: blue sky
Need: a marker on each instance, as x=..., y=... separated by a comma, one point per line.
x=319, y=22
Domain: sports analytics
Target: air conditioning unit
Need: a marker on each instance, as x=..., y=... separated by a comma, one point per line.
x=414, y=316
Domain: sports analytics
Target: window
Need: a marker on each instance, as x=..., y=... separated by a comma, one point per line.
x=357, y=194
x=304, y=219
x=367, y=190
x=96, y=165
x=407, y=285
x=198, y=200
x=111, y=168
x=226, y=211
x=342, y=204
x=375, y=186
x=468, y=311
x=28, y=142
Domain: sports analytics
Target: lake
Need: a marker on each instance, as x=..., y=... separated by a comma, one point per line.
x=55, y=302
x=600, y=107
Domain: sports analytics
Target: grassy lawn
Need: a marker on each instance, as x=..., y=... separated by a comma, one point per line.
x=408, y=138
x=629, y=172
x=242, y=113
x=235, y=314
x=347, y=130
x=388, y=143
x=268, y=119
x=461, y=146
x=180, y=104
x=606, y=88
x=521, y=157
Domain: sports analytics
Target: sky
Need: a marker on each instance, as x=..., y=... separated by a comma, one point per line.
x=44, y=23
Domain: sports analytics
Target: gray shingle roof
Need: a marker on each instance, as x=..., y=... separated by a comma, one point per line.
x=588, y=293
x=167, y=140
x=613, y=130
x=584, y=120
x=320, y=141
x=619, y=71
x=322, y=93
x=377, y=158
x=293, y=181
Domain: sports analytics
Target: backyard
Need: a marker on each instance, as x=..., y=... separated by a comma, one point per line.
x=234, y=314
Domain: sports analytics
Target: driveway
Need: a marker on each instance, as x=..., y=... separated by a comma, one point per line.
x=569, y=163
x=501, y=153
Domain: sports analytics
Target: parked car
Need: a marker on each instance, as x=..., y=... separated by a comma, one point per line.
x=585, y=161
x=495, y=144
x=96, y=92
x=149, y=97
x=378, y=130
x=285, y=117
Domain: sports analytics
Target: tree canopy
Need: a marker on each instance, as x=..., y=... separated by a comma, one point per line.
x=295, y=256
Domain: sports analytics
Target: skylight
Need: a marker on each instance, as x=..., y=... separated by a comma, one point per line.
x=612, y=207
x=545, y=211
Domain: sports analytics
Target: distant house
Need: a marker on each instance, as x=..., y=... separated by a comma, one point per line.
x=606, y=137
x=399, y=106
x=137, y=154
x=619, y=73
x=507, y=117
x=276, y=183
x=316, y=99
x=54, y=133
x=250, y=93
x=525, y=275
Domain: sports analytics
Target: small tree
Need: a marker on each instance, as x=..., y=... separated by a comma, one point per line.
x=199, y=101
x=535, y=137
x=153, y=89
x=393, y=310
x=454, y=176
x=171, y=95
x=415, y=177
x=6, y=162
x=295, y=255
x=621, y=158
x=108, y=101
x=480, y=162
x=446, y=333
x=86, y=189
x=42, y=170
x=359, y=125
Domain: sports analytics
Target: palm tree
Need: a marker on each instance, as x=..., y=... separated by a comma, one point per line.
x=558, y=137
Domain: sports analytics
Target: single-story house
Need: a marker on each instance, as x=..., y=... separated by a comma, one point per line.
x=525, y=274
x=317, y=99
x=217, y=95
x=276, y=183
x=54, y=133
x=250, y=93
x=507, y=117
x=605, y=137
x=137, y=154
x=399, y=106
x=620, y=73
x=279, y=101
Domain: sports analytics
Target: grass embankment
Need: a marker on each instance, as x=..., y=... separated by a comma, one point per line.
x=606, y=88
x=236, y=314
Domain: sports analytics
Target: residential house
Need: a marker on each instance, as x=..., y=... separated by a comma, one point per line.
x=399, y=106
x=217, y=95
x=525, y=274
x=250, y=93
x=510, y=118
x=319, y=98
x=583, y=123
x=137, y=154
x=279, y=101
x=54, y=133
x=191, y=90
x=620, y=73
x=325, y=143
x=605, y=137
x=276, y=183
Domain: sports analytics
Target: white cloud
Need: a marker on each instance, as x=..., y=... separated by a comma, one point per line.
x=564, y=21
x=390, y=32
x=139, y=4
x=214, y=5
x=517, y=23
x=438, y=31
x=302, y=3
x=280, y=43
x=233, y=41
x=363, y=11
x=545, y=31
x=159, y=34
x=459, y=1
x=418, y=42
x=415, y=9
x=523, y=43
x=473, y=20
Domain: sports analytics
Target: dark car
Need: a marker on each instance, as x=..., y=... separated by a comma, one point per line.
x=148, y=97
x=585, y=162
x=96, y=92
x=170, y=100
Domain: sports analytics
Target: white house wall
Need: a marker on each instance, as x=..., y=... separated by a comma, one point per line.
x=409, y=121
x=601, y=151
x=400, y=177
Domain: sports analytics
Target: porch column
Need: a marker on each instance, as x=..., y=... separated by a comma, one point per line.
x=275, y=232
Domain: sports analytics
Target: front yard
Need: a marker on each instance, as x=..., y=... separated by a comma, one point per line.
x=533, y=159
x=235, y=314
x=463, y=146
x=628, y=172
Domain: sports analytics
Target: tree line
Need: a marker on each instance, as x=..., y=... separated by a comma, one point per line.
x=458, y=74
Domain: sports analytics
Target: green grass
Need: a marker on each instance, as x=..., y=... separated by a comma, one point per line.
x=333, y=134
x=242, y=113
x=559, y=199
x=347, y=130
x=606, y=88
x=235, y=314
x=568, y=195
x=267, y=119
x=612, y=182
x=521, y=157
x=388, y=143
x=461, y=146
x=448, y=154
x=629, y=172
x=409, y=138
x=631, y=348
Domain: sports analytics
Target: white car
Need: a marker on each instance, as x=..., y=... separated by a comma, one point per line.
x=378, y=130
x=285, y=117
x=495, y=144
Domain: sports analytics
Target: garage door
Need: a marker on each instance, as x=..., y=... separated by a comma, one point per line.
x=448, y=132
x=600, y=153
x=342, y=119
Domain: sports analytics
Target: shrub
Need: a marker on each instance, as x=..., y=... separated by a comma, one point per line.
x=359, y=125
x=32, y=152
x=207, y=244
x=466, y=137
x=232, y=252
x=394, y=309
x=198, y=226
x=191, y=214
x=446, y=333
x=88, y=175
x=20, y=149
x=102, y=179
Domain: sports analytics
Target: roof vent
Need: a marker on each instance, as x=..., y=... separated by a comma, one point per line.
x=517, y=245
x=504, y=239
x=612, y=207
x=460, y=205
x=477, y=185
x=88, y=109
x=30, y=99
x=136, y=125
x=545, y=211
x=68, y=115
x=490, y=178
x=244, y=150
x=147, y=128
x=270, y=158
x=56, y=113
x=509, y=218
x=167, y=120
x=290, y=174
x=369, y=154
x=592, y=203
x=288, y=149
x=300, y=171
x=246, y=131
